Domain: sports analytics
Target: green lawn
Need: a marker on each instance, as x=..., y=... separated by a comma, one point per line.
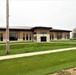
x=33, y=47
x=39, y=65
x=11, y=42
x=73, y=41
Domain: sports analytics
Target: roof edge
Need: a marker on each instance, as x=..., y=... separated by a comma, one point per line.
x=60, y=30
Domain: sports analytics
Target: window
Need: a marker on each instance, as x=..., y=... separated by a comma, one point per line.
x=30, y=36
x=67, y=36
x=23, y=36
x=43, y=33
x=51, y=36
x=1, y=36
x=59, y=36
x=27, y=36
x=13, y=36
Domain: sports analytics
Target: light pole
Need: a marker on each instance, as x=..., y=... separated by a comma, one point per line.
x=7, y=27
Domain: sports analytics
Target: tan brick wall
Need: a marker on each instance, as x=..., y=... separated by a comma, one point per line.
x=4, y=33
x=63, y=34
x=25, y=32
x=42, y=30
x=38, y=31
x=20, y=33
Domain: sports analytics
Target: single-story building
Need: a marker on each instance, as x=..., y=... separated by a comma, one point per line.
x=36, y=34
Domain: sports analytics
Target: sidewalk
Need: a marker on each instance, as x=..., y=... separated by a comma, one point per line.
x=34, y=53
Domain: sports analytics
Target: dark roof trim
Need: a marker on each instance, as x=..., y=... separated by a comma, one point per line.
x=41, y=28
x=59, y=30
x=16, y=29
x=32, y=28
x=20, y=29
x=25, y=28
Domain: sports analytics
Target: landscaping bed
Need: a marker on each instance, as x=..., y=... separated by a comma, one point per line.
x=71, y=71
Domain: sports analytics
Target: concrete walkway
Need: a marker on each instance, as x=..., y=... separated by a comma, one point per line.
x=35, y=53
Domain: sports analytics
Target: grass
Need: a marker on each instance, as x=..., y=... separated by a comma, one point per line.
x=39, y=65
x=33, y=47
x=15, y=42
x=73, y=41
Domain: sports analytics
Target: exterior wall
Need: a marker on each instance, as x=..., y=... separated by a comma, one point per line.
x=4, y=34
x=20, y=34
x=45, y=35
x=35, y=34
x=38, y=35
x=63, y=35
x=43, y=30
x=25, y=32
x=54, y=33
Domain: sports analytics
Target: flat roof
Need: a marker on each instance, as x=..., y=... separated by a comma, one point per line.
x=41, y=27
x=25, y=28
x=17, y=27
x=32, y=28
x=60, y=30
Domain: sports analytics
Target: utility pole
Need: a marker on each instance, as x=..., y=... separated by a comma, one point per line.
x=7, y=27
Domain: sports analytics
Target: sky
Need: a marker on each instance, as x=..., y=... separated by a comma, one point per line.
x=59, y=14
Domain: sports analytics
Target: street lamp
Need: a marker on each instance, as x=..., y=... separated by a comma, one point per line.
x=7, y=27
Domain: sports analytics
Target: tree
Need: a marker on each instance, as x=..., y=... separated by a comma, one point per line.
x=74, y=33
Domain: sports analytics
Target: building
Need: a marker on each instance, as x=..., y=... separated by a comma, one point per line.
x=36, y=34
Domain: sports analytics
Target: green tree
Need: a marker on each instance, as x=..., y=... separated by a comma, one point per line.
x=74, y=33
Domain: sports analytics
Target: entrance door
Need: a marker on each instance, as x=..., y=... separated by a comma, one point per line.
x=43, y=39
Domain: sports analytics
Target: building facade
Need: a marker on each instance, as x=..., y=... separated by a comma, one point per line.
x=36, y=34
